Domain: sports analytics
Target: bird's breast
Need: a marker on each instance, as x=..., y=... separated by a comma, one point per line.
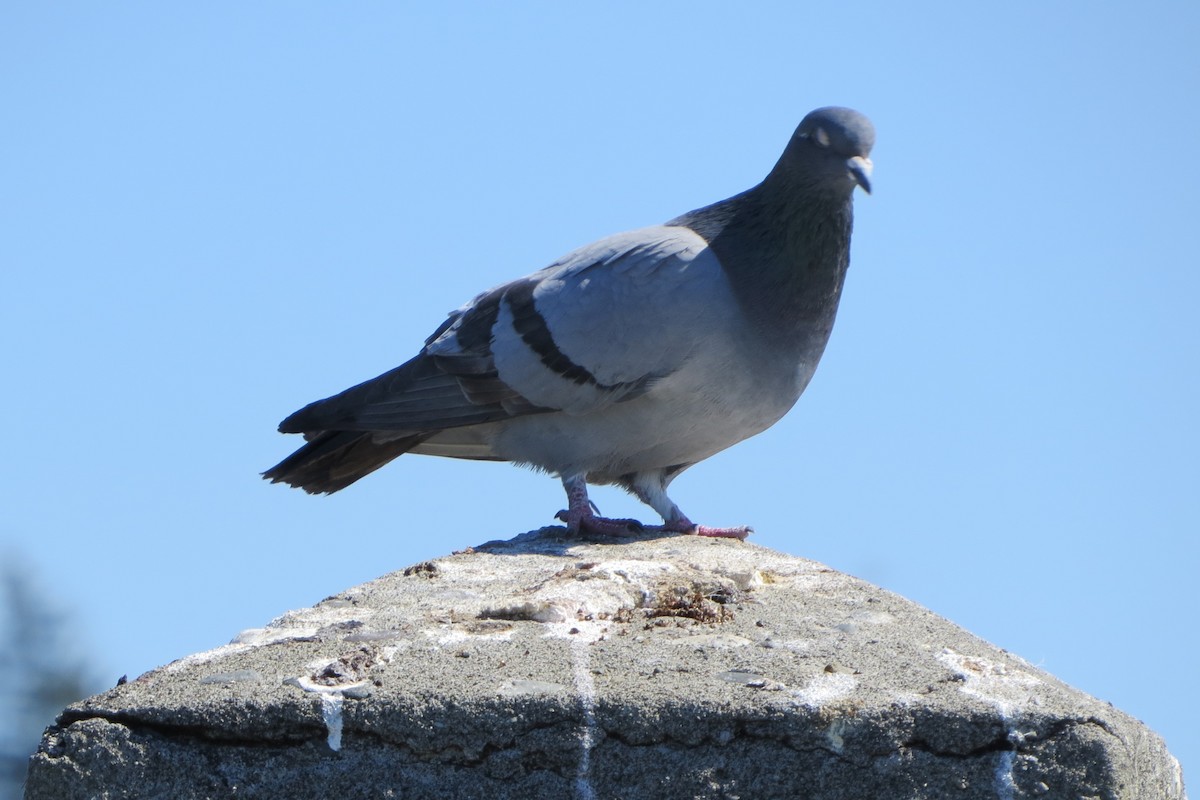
x=684, y=418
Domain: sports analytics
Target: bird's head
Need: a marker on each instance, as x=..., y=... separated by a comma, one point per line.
x=834, y=145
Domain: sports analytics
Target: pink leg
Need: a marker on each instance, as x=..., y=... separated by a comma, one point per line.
x=650, y=488
x=581, y=516
x=685, y=525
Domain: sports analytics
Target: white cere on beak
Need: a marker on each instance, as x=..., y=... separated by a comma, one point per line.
x=860, y=170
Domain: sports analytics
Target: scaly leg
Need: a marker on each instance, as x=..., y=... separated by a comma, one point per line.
x=650, y=489
x=581, y=516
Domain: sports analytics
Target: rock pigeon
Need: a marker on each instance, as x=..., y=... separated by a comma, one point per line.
x=630, y=359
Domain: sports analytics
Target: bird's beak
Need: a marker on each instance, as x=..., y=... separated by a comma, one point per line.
x=860, y=169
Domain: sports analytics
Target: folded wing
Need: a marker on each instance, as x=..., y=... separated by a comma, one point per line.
x=585, y=332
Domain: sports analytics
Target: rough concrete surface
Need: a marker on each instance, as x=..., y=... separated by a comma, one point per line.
x=545, y=667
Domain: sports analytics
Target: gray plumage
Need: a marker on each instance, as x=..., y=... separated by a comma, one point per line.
x=630, y=359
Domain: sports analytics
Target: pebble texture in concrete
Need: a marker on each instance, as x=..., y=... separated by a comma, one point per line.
x=675, y=667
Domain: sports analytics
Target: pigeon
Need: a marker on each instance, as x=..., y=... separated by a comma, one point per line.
x=630, y=359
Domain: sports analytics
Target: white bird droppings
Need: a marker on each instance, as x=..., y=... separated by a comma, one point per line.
x=586, y=689
x=331, y=700
x=1008, y=691
x=580, y=636
x=825, y=688
x=331, y=713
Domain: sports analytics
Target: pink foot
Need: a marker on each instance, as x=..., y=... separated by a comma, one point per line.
x=685, y=525
x=581, y=515
x=588, y=522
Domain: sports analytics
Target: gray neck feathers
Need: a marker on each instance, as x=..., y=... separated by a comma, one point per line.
x=785, y=247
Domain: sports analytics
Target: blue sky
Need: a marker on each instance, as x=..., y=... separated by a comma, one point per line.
x=212, y=215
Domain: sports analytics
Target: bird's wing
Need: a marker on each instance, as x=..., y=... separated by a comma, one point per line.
x=599, y=326
x=415, y=397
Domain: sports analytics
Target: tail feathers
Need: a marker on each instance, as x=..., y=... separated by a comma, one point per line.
x=335, y=459
x=404, y=398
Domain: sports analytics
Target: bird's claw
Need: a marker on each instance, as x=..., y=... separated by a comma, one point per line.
x=603, y=526
x=599, y=526
x=739, y=532
x=686, y=526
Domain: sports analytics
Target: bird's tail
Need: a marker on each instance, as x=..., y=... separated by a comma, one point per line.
x=335, y=459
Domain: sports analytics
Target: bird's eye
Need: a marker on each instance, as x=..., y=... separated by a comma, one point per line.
x=821, y=137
